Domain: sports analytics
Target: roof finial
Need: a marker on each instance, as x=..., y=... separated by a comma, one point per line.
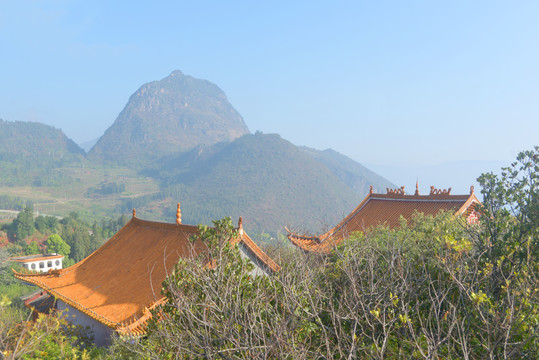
x=370, y=191
x=240, y=226
x=417, y=187
x=396, y=191
x=434, y=191
x=134, y=212
x=472, y=190
x=179, y=215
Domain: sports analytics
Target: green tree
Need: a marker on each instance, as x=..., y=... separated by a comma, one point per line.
x=46, y=224
x=507, y=300
x=76, y=234
x=55, y=244
x=32, y=249
x=49, y=337
x=23, y=225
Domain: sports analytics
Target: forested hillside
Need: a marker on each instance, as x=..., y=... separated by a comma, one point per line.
x=30, y=152
x=264, y=178
x=350, y=172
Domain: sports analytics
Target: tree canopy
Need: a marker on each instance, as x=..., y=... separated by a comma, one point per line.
x=55, y=244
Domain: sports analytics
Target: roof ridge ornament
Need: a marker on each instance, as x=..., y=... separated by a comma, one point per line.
x=179, y=215
x=370, y=191
x=134, y=212
x=472, y=190
x=240, y=226
x=434, y=191
x=395, y=191
x=416, y=187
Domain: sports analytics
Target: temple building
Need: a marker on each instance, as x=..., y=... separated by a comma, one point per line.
x=387, y=209
x=113, y=289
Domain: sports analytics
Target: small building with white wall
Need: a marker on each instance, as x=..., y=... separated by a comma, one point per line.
x=41, y=262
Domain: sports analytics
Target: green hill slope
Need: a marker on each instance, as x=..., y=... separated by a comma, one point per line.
x=356, y=176
x=164, y=117
x=30, y=152
x=265, y=179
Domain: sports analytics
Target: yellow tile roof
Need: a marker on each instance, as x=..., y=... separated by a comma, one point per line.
x=120, y=281
x=378, y=209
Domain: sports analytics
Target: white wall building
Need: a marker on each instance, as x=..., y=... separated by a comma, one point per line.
x=40, y=262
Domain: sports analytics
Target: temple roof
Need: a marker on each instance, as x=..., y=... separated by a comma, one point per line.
x=386, y=209
x=121, y=280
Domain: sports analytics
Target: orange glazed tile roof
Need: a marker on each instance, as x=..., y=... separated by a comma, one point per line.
x=121, y=281
x=378, y=209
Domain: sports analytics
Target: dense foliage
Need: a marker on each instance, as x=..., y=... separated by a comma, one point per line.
x=23, y=226
x=434, y=288
x=13, y=202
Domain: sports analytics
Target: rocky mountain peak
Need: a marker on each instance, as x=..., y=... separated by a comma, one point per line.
x=174, y=114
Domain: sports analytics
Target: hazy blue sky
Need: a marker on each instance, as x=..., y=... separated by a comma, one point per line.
x=389, y=82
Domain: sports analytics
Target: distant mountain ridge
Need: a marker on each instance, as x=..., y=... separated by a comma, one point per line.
x=30, y=152
x=163, y=117
x=185, y=138
x=88, y=145
x=36, y=140
x=350, y=172
x=264, y=178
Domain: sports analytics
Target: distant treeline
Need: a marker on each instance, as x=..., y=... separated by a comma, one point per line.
x=106, y=189
x=169, y=195
x=32, y=172
x=8, y=202
x=82, y=237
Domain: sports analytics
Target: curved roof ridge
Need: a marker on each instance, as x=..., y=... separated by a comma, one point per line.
x=162, y=225
x=348, y=218
x=137, y=325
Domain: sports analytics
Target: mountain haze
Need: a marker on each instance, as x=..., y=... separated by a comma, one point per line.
x=179, y=139
x=35, y=140
x=356, y=176
x=163, y=117
x=262, y=177
x=31, y=152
